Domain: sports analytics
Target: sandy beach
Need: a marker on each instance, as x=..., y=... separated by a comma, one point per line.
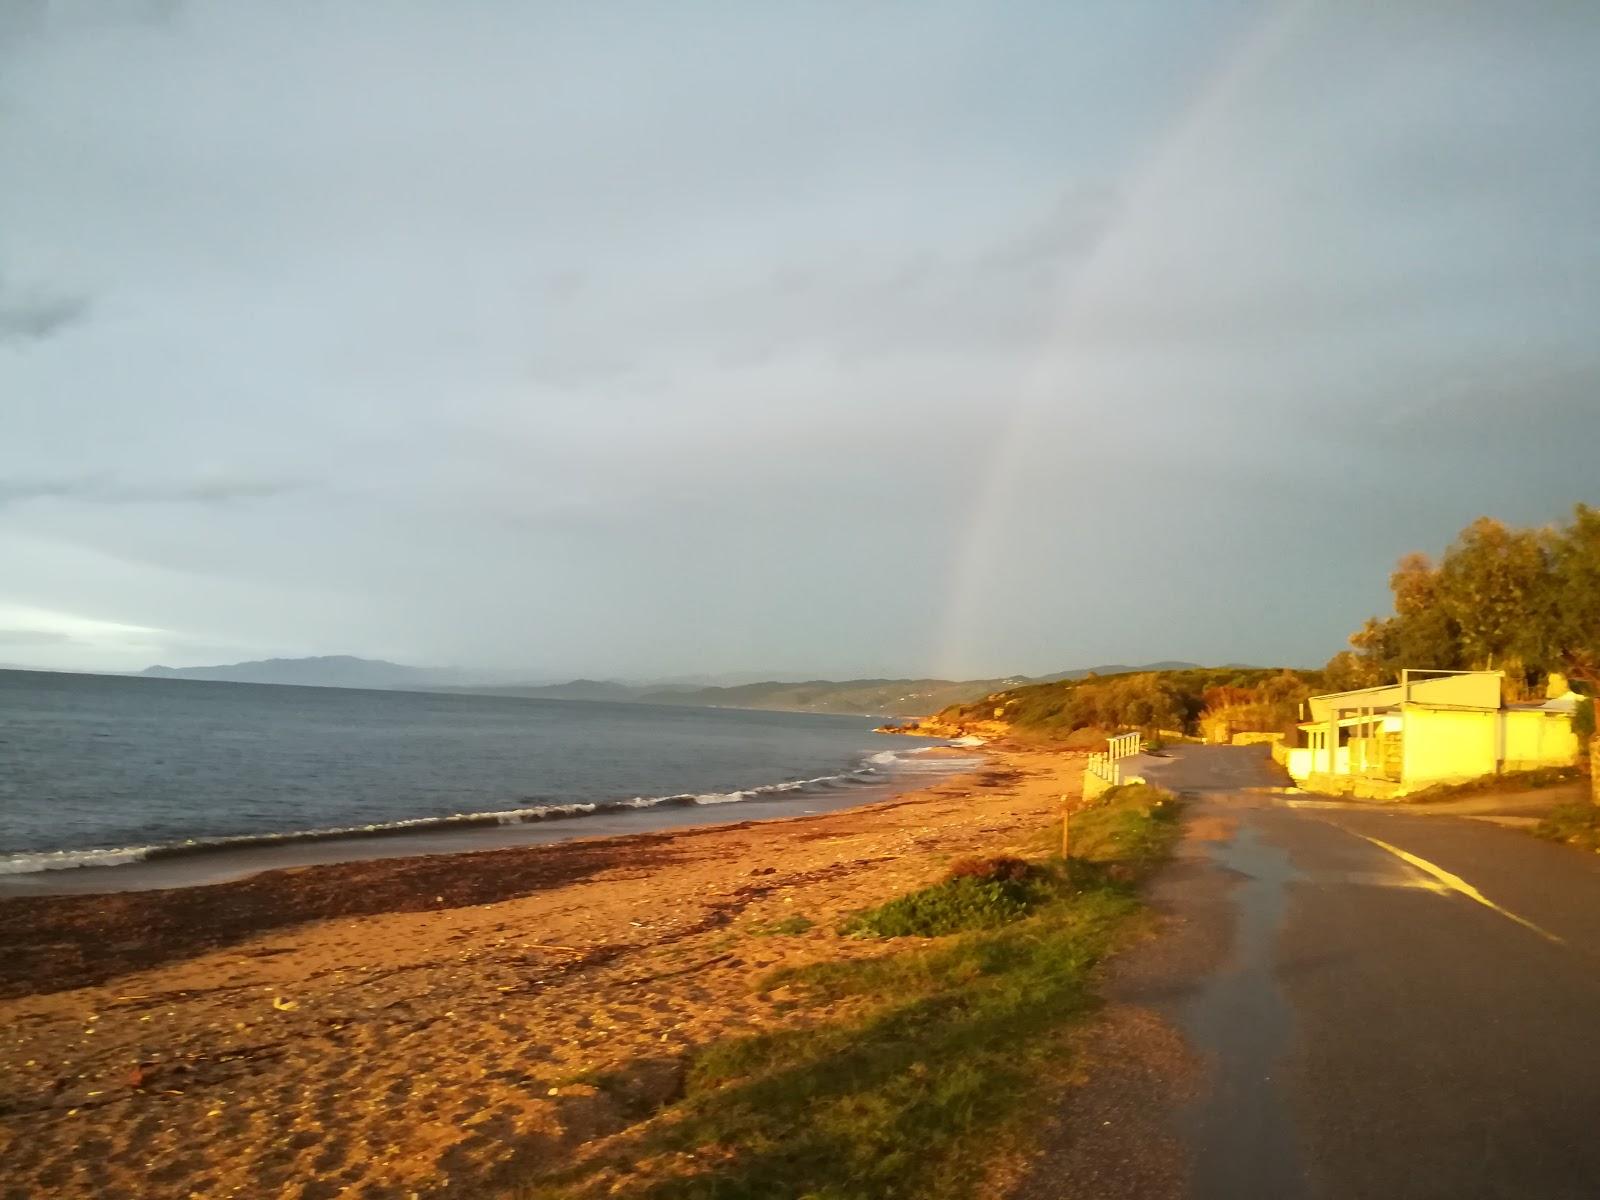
x=427, y=1026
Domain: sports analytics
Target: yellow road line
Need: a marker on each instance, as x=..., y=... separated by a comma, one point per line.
x=1457, y=884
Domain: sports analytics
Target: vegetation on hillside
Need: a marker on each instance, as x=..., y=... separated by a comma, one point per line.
x=1525, y=601
x=888, y=697
x=1244, y=698
x=947, y=1048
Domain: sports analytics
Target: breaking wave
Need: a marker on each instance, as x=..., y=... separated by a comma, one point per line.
x=875, y=769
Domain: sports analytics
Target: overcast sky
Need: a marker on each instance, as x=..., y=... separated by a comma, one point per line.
x=657, y=339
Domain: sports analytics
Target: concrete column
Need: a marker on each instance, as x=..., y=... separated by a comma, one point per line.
x=1594, y=766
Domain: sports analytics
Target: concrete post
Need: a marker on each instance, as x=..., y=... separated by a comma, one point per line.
x=1594, y=766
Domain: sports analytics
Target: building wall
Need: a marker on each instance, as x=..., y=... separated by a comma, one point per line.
x=1474, y=689
x=1536, y=739
x=1449, y=744
x=1303, y=762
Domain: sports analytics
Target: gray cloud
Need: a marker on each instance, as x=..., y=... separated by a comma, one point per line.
x=30, y=315
x=33, y=637
x=105, y=489
x=735, y=338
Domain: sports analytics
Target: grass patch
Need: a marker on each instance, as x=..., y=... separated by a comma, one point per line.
x=1510, y=781
x=949, y=1047
x=977, y=894
x=1576, y=824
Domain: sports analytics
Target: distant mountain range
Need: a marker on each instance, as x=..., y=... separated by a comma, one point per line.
x=330, y=670
x=868, y=697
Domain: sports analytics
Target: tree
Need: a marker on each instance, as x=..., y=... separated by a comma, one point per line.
x=1422, y=632
x=1495, y=586
x=1346, y=671
x=1575, y=611
x=1525, y=601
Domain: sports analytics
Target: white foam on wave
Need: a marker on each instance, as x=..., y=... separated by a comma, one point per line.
x=918, y=761
x=29, y=862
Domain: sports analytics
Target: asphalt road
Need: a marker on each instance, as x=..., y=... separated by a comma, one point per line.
x=1371, y=1003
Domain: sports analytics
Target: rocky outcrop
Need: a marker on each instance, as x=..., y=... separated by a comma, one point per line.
x=934, y=727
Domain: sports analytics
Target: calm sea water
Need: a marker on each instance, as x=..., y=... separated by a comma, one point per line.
x=100, y=770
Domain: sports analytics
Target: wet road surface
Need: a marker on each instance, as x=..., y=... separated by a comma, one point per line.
x=1374, y=1003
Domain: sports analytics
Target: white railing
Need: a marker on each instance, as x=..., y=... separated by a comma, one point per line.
x=1102, y=766
x=1107, y=764
x=1122, y=745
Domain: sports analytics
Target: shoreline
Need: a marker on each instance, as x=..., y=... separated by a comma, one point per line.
x=85, y=925
x=424, y=1024
x=225, y=858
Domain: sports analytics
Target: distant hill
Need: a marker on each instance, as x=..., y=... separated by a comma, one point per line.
x=332, y=670
x=1116, y=669
x=860, y=697
x=874, y=697
x=863, y=697
x=577, y=689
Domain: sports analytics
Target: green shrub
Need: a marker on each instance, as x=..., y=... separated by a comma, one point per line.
x=977, y=894
x=1575, y=824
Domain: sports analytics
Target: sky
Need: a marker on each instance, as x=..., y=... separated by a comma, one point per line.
x=643, y=340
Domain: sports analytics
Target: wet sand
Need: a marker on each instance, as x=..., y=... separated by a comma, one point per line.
x=424, y=1026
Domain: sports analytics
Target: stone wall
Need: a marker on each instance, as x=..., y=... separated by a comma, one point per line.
x=1356, y=786
x=1250, y=738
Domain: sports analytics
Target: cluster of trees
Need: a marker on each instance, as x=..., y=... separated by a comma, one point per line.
x=1525, y=601
x=1272, y=705
x=1172, y=700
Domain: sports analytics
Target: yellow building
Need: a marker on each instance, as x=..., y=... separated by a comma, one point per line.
x=1431, y=727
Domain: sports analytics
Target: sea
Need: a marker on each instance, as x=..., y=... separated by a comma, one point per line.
x=111, y=783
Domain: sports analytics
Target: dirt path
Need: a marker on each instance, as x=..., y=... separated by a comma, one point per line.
x=406, y=1052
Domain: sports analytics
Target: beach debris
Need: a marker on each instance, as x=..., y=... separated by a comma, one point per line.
x=282, y=1005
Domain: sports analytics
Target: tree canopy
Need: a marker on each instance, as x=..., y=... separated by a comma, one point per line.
x=1526, y=601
